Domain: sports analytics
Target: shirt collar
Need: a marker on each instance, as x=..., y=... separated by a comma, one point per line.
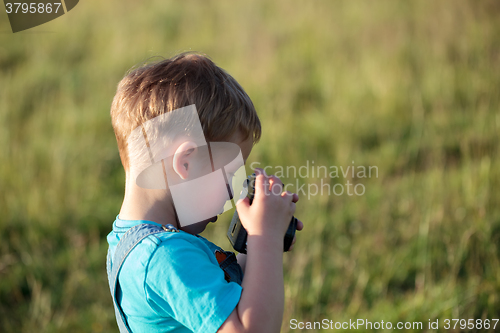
x=123, y=225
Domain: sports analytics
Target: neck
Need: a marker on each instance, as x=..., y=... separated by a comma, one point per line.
x=149, y=205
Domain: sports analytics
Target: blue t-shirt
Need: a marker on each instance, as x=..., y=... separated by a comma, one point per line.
x=172, y=282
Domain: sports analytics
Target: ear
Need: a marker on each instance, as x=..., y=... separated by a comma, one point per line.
x=183, y=158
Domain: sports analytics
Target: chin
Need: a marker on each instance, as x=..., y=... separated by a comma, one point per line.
x=198, y=227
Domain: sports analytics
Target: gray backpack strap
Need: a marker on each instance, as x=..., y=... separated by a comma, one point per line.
x=126, y=244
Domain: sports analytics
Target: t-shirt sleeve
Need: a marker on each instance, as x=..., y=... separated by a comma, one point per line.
x=183, y=282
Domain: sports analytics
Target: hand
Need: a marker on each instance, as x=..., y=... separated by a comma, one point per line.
x=300, y=226
x=271, y=209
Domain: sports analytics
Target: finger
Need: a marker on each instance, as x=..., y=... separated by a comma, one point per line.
x=300, y=225
x=259, y=171
x=261, y=185
x=243, y=204
x=289, y=195
x=275, y=180
x=295, y=197
x=276, y=186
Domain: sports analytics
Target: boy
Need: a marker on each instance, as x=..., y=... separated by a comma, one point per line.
x=178, y=281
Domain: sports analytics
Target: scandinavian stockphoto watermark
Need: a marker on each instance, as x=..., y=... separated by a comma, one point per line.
x=25, y=15
x=310, y=179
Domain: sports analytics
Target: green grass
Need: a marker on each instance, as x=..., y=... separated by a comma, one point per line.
x=411, y=87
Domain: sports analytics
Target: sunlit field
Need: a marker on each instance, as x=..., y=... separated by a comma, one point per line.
x=409, y=90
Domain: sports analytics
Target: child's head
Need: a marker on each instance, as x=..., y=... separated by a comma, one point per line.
x=223, y=107
x=167, y=117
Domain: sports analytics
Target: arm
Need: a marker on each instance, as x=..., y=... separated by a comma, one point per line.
x=242, y=261
x=242, y=258
x=260, y=308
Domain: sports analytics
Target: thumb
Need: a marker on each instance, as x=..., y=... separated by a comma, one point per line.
x=243, y=205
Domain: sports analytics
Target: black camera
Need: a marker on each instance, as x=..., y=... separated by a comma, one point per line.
x=238, y=235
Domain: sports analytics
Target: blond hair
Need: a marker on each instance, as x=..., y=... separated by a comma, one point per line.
x=188, y=78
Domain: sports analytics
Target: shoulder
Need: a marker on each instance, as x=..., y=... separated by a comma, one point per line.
x=148, y=238
x=163, y=250
x=173, y=241
x=179, y=247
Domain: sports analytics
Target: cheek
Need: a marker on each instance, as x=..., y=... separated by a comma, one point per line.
x=200, y=170
x=200, y=199
x=220, y=195
x=216, y=196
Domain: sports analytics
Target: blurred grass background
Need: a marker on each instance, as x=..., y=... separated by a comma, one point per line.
x=411, y=87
